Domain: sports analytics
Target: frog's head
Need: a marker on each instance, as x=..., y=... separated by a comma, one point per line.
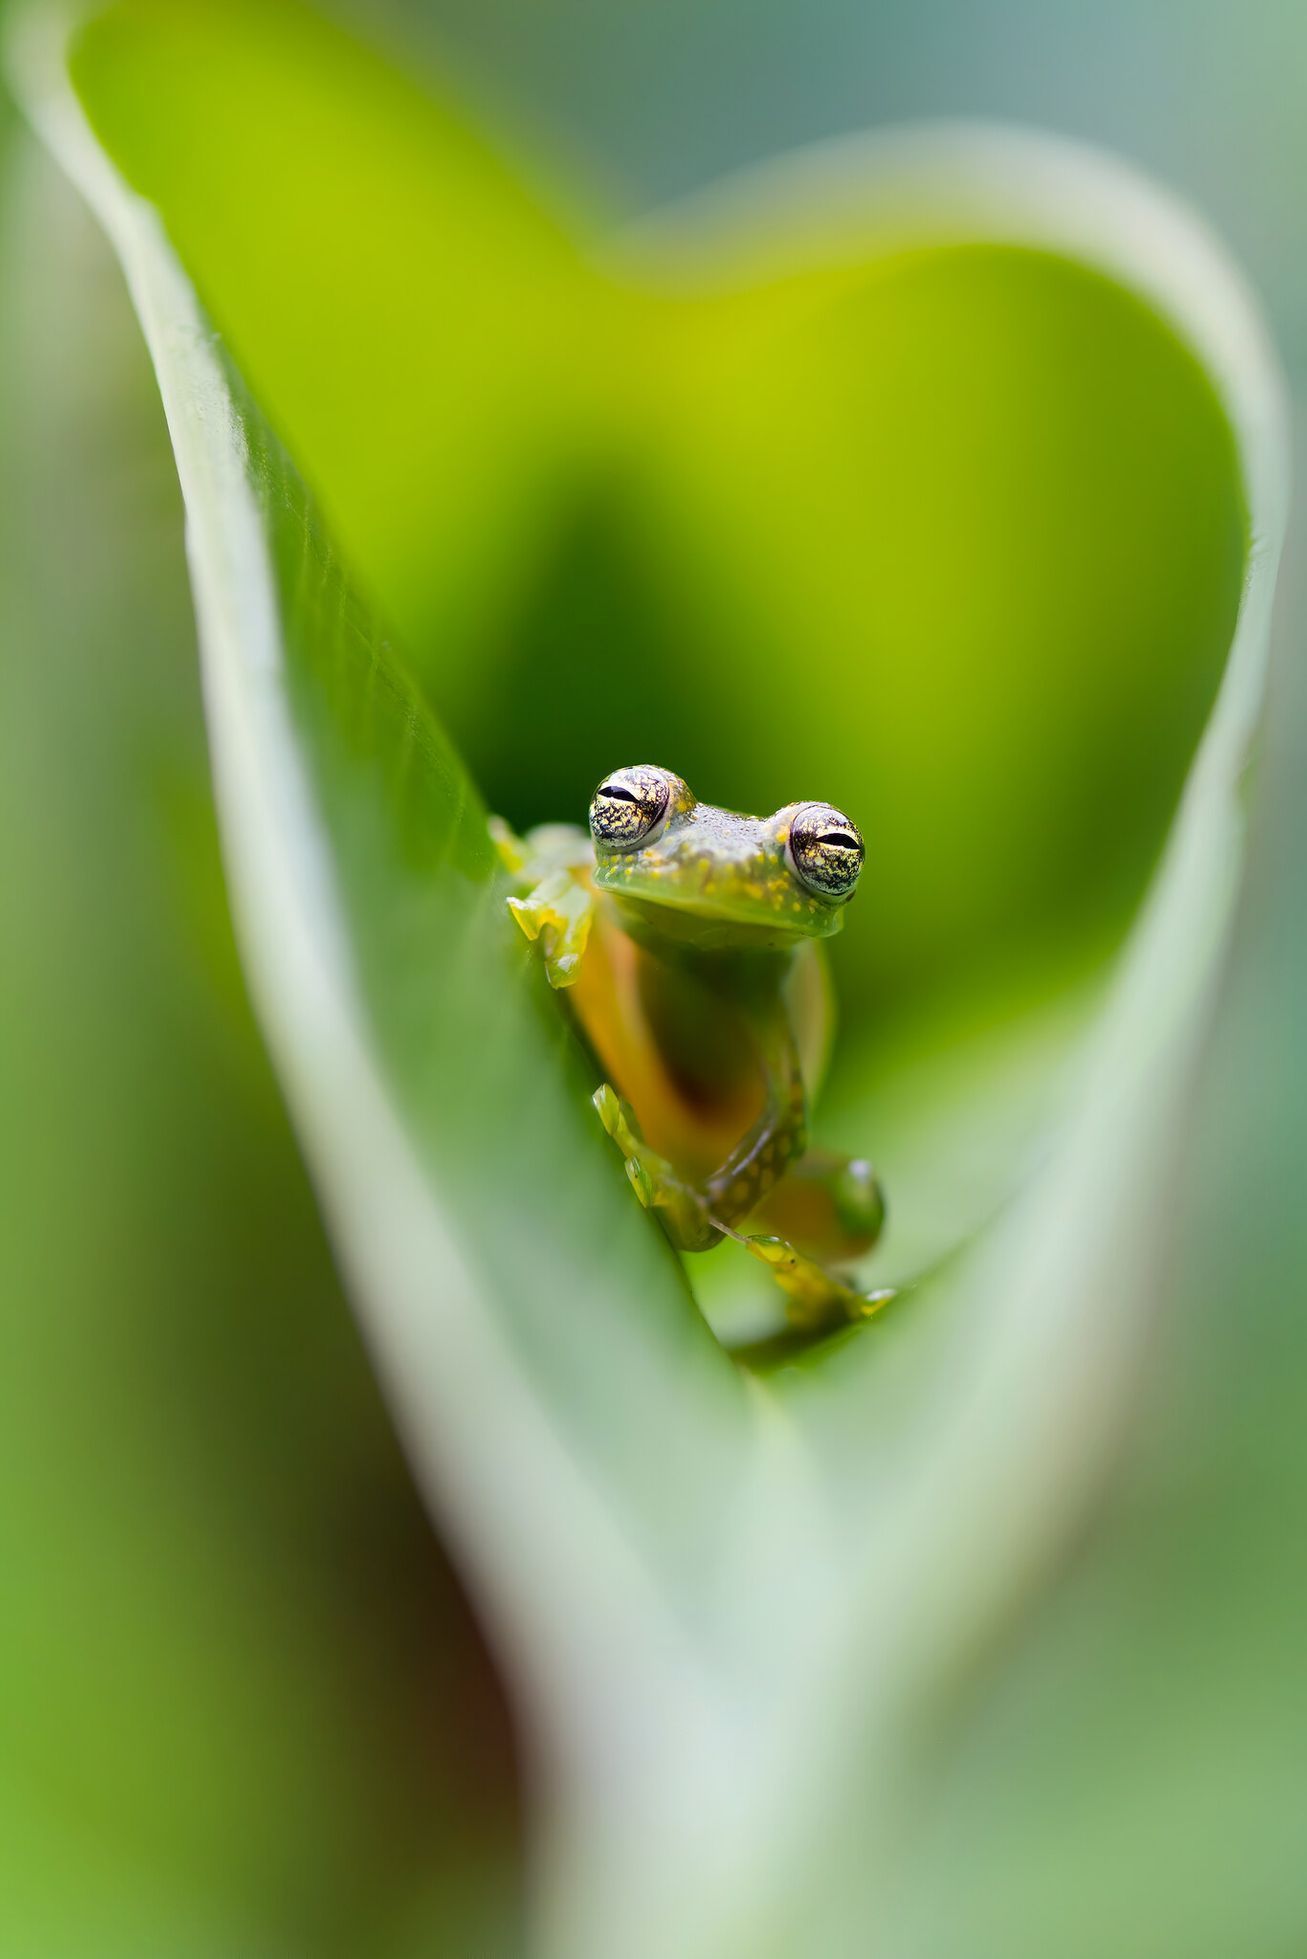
x=685, y=870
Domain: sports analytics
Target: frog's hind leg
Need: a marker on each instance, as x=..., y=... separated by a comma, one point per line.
x=827, y=1212
x=816, y=1299
x=832, y=1207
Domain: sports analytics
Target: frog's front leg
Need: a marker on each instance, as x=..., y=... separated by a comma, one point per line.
x=682, y=1208
x=555, y=900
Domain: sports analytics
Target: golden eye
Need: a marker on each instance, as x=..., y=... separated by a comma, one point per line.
x=630, y=807
x=825, y=850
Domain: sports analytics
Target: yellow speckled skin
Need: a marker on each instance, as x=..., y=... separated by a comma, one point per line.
x=713, y=879
x=689, y=939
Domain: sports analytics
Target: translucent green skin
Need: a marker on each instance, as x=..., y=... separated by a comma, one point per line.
x=722, y=977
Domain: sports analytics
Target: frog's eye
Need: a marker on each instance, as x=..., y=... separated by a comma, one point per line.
x=630, y=807
x=825, y=850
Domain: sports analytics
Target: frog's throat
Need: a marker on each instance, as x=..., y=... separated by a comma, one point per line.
x=686, y=919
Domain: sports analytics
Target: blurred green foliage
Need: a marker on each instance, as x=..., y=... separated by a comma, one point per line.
x=1124, y=1774
x=941, y=577
x=657, y=99
x=241, y=1703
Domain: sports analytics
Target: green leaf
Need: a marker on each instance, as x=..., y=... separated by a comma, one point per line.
x=1007, y=559
x=733, y=1606
x=382, y=894
x=227, y=1633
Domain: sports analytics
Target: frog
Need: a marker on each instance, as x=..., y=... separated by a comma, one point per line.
x=690, y=943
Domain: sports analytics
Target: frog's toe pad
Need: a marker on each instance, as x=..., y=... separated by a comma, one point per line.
x=618, y=1118
x=859, y=1203
x=640, y=1181
x=608, y=1108
x=776, y=1252
x=870, y=1303
x=526, y=915
x=562, y=968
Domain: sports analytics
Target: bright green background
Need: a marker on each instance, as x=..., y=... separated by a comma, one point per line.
x=938, y=577
x=149, y=1659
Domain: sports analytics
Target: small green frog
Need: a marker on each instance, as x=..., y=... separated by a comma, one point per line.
x=689, y=939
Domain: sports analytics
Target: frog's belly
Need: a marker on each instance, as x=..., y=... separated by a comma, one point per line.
x=679, y=1056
